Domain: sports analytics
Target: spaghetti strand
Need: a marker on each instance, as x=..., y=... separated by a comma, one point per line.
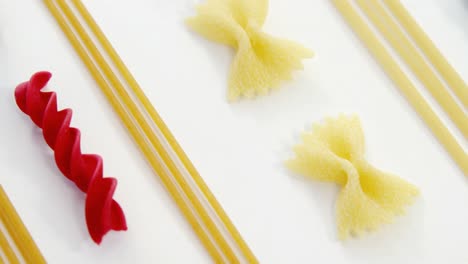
x=18, y=231
x=164, y=129
x=136, y=134
x=133, y=108
x=402, y=82
x=408, y=52
x=7, y=250
x=454, y=80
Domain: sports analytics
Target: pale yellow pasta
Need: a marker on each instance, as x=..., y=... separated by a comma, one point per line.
x=334, y=152
x=261, y=61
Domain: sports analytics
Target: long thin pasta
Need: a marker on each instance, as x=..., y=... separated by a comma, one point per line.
x=18, y=231
x=104, y=76
x=391, y=67
x=135, y=133
x=7, y=250
x=144, y=125
x=453, y=79
x=164, y=129
x=409, y=53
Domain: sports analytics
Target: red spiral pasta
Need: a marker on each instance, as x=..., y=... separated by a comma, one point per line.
x=85, y=170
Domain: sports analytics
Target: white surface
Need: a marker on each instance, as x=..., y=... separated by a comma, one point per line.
x=238, y=148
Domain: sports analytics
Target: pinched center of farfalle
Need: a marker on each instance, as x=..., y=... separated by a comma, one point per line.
x=261, y=61
x=334, y=152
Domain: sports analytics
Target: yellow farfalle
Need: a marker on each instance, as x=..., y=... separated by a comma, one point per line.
x=334, y=152
x=262, y=61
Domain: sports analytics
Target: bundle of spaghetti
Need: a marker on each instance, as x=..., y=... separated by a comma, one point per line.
x=102, y=212
x=334, y=152
x=169, y=162
x=398, y=38
x=261, y=61
x=433, y=54
x=22, y=240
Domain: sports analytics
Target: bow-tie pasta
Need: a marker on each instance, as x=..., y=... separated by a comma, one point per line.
x=261, y=61
x=334, y=152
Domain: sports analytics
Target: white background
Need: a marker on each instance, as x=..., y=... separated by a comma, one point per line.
x=238, y=148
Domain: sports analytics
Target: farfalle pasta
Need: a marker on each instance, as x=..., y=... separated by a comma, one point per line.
x=334, y=152
x=261, y=61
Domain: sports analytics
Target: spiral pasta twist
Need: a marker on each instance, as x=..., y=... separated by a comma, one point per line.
x=262, y=61
x=334, y=152
x=85, y=170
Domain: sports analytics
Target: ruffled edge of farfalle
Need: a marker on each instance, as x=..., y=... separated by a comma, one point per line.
x=378, y=210
x=254, y=72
